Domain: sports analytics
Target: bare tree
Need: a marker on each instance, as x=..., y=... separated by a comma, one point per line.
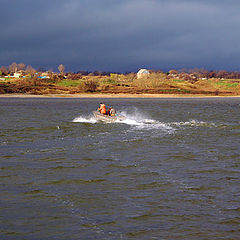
x=61, y=68
x=222, y=74
x=13, y=67
x=21, y=66
x=4, y=70
x=212, y=74
x=30, y=70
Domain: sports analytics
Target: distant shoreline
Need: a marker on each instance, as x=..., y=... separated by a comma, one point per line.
x=120, y=95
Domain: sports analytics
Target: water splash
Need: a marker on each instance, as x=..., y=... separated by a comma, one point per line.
x=142, y=121
x=88, y=119
x=132, y=117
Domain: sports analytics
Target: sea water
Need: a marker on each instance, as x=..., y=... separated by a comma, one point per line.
x=170, y=170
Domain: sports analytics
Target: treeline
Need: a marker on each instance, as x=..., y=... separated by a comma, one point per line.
x=14, y=67
x=197, y=73
x=28, y=69
x=203, y=73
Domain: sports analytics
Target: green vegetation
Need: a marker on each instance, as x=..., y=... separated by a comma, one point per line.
x=227, y=83
x=108, y=81
x=222, y=85
x=70, y=83
x=177, y=80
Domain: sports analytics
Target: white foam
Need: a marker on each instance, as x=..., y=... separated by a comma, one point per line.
x=156, y=126
x=84, y=119
x=194, y=123
x=134, y=117
x=141, y=121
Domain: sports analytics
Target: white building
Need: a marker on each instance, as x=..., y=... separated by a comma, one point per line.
x=142, y=73
x=17, y=74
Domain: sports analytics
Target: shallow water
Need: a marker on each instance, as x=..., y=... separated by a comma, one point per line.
x=171, y=170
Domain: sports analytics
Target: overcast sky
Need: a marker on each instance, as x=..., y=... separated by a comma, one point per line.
x=121, y=35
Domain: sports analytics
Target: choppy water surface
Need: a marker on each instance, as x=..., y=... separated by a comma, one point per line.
x=171, y=170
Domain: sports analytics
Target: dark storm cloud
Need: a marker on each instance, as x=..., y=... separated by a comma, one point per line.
x=121, y=35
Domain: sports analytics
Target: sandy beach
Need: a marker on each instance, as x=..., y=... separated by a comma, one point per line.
x=120, y=95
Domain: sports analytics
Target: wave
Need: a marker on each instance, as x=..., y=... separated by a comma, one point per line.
x=194, y=123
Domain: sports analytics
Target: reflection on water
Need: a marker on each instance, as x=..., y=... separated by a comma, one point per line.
x=169, y=171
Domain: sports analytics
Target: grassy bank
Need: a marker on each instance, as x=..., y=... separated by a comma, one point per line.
x=155, y=83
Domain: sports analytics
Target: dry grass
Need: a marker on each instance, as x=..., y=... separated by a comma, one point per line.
x=153, y=80
x=119, y=83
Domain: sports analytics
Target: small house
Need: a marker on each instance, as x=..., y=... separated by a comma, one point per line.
x=18, y=74
x=45, y=75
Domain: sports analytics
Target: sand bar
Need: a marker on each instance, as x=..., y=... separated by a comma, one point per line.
x=119, y=95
